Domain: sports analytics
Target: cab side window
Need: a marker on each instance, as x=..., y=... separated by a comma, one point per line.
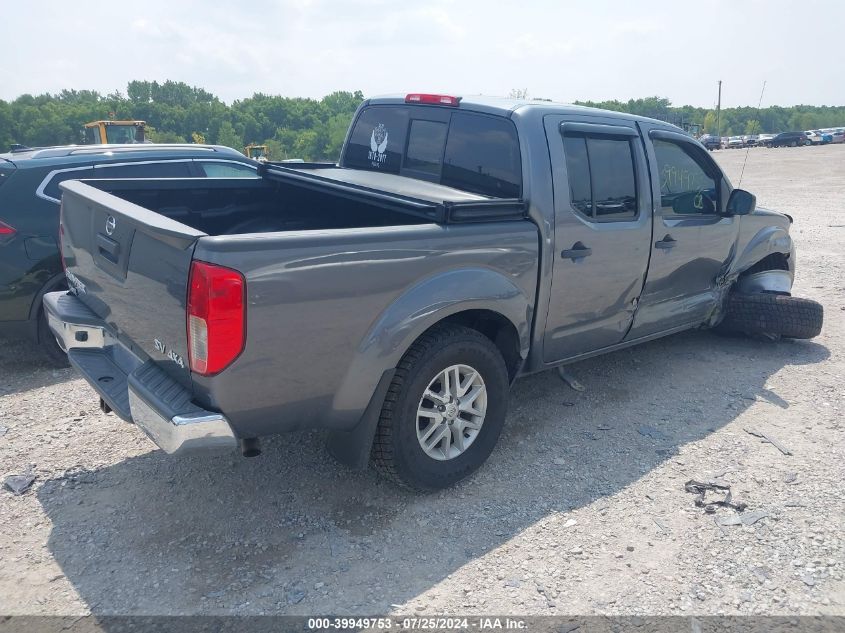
x=688, y=185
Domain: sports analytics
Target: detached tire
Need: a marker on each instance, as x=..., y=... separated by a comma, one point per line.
x=444, y=410
x=772, y=315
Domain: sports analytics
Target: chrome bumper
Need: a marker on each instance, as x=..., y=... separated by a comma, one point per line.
x=132, y=387
x=197, y=430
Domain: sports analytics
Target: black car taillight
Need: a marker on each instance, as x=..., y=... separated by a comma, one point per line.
x=7, y=232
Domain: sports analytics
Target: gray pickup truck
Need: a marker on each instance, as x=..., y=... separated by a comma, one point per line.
x=393, y=298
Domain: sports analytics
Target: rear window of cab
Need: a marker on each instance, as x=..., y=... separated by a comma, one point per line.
x=468, y=151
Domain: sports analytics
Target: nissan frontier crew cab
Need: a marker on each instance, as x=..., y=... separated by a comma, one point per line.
x=394, y=297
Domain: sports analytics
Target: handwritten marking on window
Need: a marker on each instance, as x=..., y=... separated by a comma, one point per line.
x=675, y=180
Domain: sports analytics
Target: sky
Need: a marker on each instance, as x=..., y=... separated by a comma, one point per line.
x=565, y=50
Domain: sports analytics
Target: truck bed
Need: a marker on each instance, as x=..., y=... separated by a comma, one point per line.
x=307, y=199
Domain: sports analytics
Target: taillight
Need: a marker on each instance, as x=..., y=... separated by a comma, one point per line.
x=433, y=99
x=7, y=232
x=216, y=317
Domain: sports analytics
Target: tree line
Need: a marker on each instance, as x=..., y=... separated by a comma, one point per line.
x=312, y=129
x=731, y=121
x=175, y=112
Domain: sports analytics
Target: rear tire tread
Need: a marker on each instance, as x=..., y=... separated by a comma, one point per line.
x=382, y=453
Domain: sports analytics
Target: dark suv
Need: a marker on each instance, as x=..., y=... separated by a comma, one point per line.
x=710, y=141
x=29, y=214
x=788, y=139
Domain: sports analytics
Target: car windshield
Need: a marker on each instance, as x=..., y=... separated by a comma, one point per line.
x=120, y=133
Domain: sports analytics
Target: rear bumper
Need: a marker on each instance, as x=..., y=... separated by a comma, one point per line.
x=136, y=389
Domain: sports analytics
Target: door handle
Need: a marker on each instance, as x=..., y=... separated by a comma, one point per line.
x=666, y=243
x=578, y=251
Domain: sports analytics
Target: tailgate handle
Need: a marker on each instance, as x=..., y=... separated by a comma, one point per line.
x=108, y=247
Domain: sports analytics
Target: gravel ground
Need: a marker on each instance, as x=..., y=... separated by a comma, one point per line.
x=580, y=510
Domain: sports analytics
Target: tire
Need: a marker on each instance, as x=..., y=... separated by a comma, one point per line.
x=48, y=345
x=397, y=452
x=773, y=315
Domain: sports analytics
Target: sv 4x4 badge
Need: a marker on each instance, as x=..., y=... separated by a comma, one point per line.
x=161, y=347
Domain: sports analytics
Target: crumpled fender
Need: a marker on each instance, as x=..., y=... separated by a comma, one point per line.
x=769, y=239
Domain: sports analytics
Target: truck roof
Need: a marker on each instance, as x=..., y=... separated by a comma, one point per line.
x=505, y=106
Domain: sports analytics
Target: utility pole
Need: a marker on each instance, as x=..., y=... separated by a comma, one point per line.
x=719, y=112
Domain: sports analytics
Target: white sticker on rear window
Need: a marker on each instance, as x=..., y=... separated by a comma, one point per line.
x=378, y=146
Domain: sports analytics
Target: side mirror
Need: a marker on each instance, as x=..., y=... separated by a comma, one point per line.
x=741, y=202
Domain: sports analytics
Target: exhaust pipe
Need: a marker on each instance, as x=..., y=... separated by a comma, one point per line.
x=250, y=447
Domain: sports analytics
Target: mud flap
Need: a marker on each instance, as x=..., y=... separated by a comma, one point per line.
x=352, y=448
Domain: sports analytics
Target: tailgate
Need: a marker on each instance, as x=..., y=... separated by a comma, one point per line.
x=130, y=266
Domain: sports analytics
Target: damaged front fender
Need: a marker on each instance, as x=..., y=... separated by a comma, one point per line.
x=763, y=259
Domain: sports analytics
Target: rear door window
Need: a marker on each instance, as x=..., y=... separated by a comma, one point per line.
x=159, y=169
x=614, y=185
x=602, y=177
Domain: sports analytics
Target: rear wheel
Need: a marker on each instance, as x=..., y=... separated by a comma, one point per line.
x=772, y=315
x=444, y=410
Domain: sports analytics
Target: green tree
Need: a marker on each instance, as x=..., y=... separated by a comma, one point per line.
x=162, y=136
x=752, y=127
x=227, y=136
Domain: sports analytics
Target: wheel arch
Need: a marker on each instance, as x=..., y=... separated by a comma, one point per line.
x=495, y=326
x=479, y=298
x=770, y=249
x=463, y=295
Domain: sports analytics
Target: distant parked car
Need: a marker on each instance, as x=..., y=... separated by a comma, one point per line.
x=710, y=141
x=736, y=142
x=827, y=137
x=788, y=139
x=814, y=137
x=30, y=265
x=763, y=138
x=837, y=136
x=750, y=140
